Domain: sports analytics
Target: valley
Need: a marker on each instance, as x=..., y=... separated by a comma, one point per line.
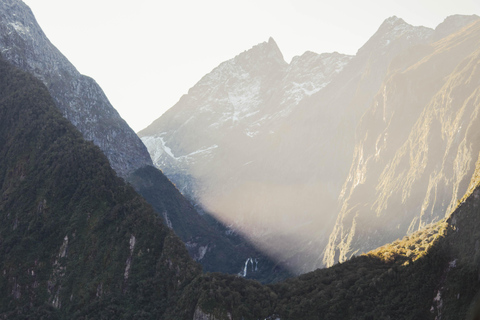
x=331, y=187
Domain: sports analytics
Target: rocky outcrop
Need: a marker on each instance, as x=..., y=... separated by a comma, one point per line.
x=80, y=99
x=200, y=315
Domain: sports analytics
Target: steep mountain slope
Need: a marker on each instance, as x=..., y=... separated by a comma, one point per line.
x=266, y=146
x=416, y=147
x=75, y=240
x=80, y=99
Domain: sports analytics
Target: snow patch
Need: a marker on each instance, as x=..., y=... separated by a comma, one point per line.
x=157, y=147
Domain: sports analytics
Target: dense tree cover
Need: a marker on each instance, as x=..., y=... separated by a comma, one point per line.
x=72, y=234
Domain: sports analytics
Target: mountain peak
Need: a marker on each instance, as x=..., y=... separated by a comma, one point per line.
x=393, y=23
x=266, y=52
x=79, y=98
x=391, y=30
x=393, y=20
x=458, y=19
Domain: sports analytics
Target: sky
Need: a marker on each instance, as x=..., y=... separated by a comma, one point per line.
x=146, y=54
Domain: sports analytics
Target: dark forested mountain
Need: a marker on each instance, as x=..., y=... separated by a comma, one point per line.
x=80, y=99
x=75, y=240
x=272, y=149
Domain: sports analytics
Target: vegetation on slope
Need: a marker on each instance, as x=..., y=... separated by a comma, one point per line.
x=75, y=240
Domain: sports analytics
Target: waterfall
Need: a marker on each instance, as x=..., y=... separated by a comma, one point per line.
x=245, y=268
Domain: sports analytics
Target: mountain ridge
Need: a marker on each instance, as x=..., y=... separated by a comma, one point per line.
x=81, y=100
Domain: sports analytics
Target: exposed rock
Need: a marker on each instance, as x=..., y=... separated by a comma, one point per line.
x=416, y=147
x=81, y=100
x=200, y=315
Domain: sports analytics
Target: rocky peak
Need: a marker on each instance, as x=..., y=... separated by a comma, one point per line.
x=265, y=55
x=309, y=73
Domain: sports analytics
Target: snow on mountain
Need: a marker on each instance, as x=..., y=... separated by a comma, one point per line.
x=81, y=100
x=242, y=95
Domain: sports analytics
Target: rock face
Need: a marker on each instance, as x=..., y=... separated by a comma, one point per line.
x=416, y=146
x=80, y=99
x=266, y=146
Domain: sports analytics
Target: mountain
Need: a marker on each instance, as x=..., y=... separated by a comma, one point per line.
x=77, y=242
x=80, y=99
x=266, y=146
x=200, y=143
x=415, y=147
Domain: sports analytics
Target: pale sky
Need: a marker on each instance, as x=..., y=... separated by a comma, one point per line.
x=145, y=54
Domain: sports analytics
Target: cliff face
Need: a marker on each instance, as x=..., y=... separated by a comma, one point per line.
x=416, y=146
x=80, y=99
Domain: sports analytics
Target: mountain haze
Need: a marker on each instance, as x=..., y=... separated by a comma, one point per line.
x=267, y=146
x=241, y=100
